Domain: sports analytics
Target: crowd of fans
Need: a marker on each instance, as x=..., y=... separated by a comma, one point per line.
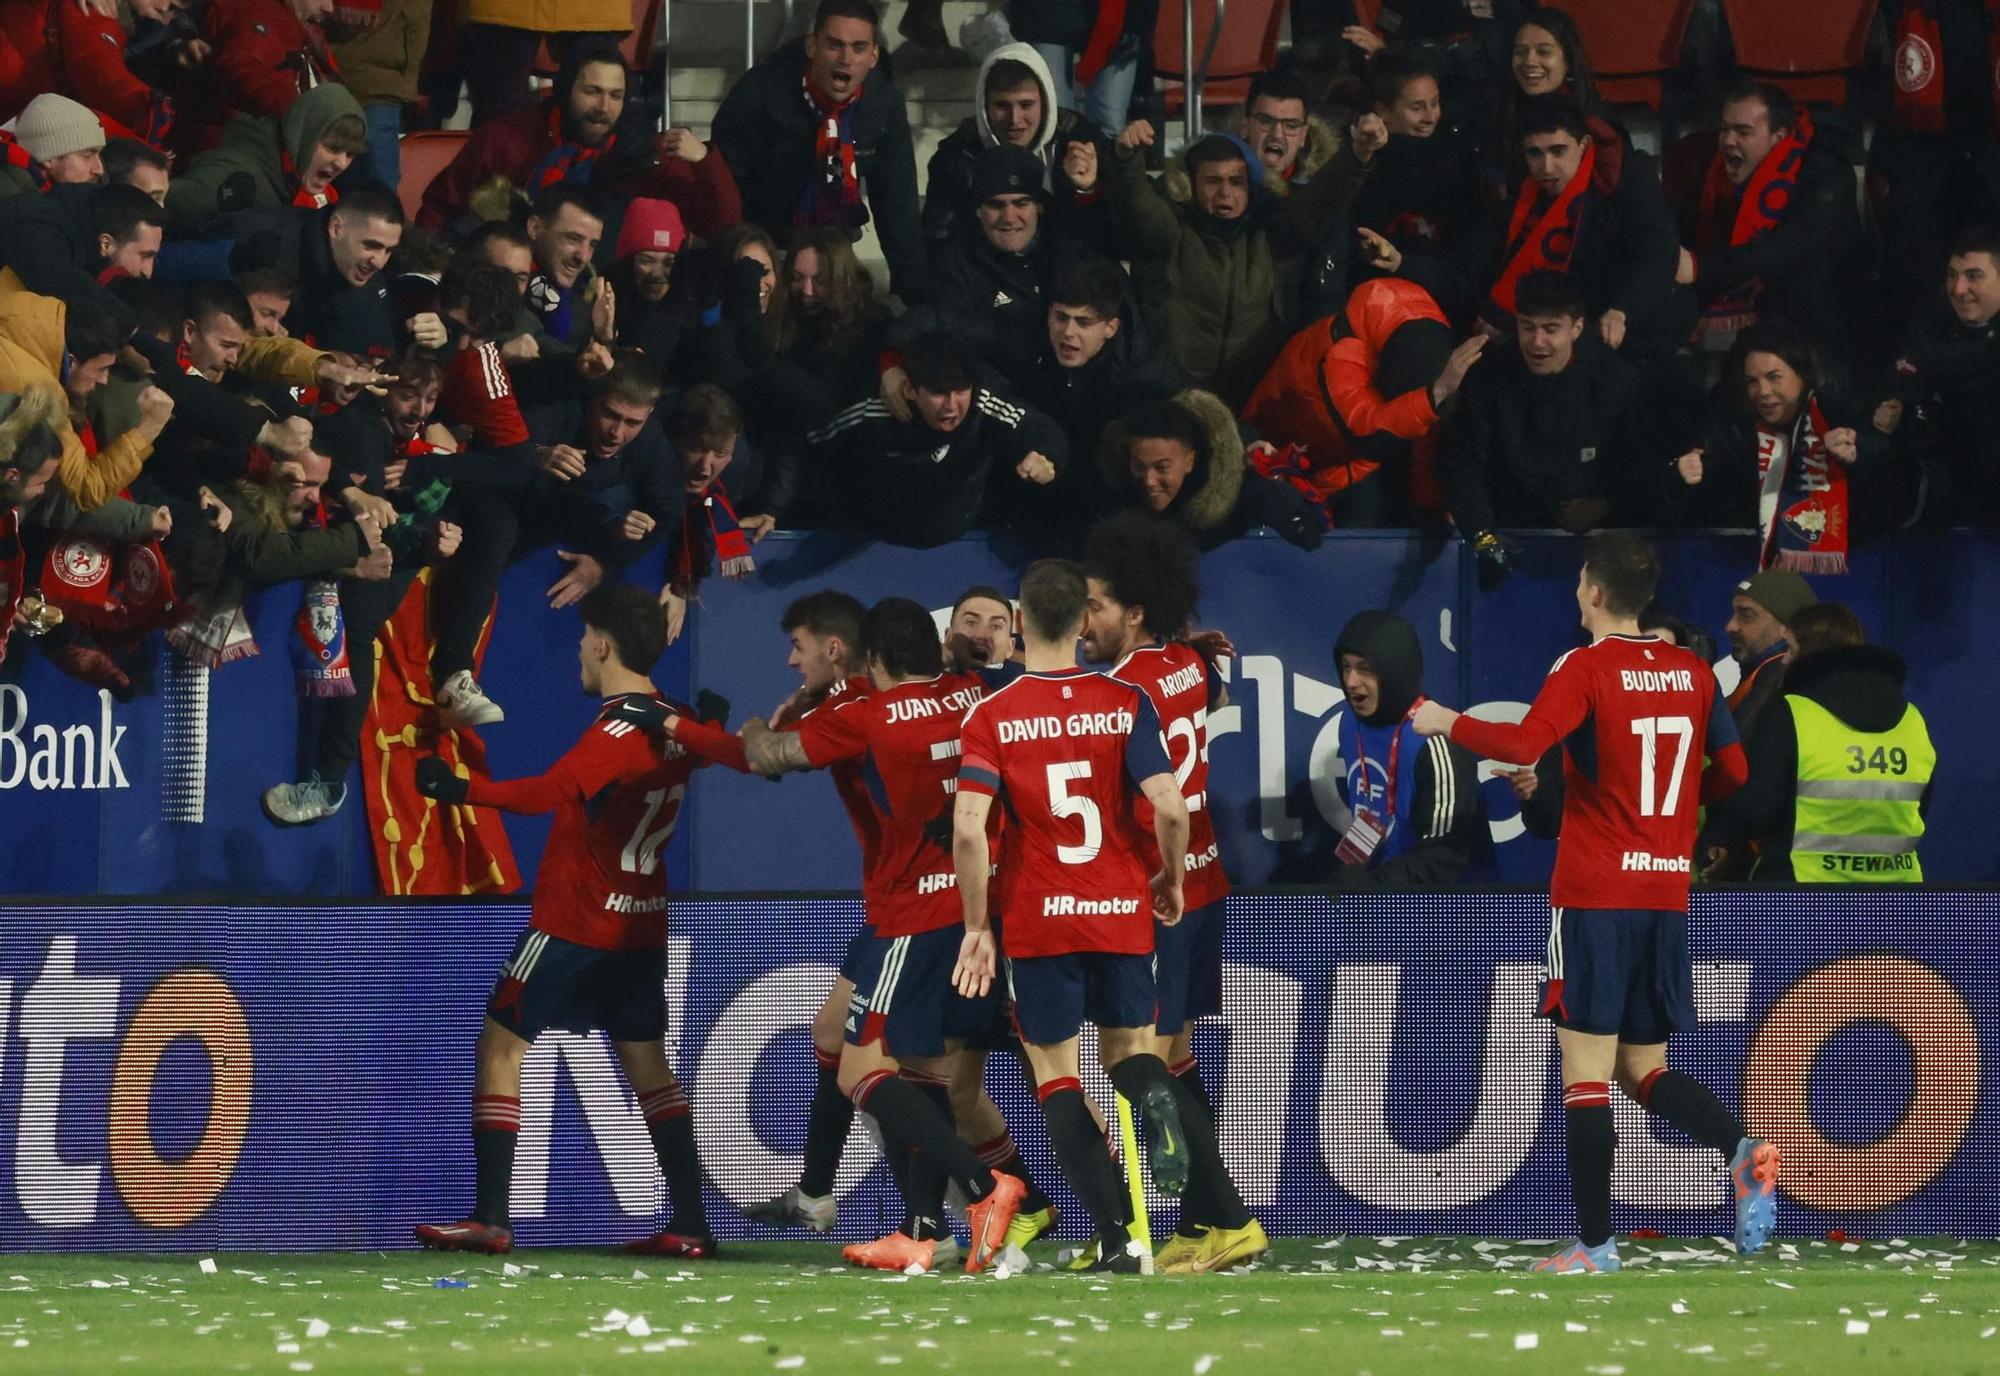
x=1429, y=279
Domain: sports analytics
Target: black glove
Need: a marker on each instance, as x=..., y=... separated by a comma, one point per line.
x=1303, y=530
x=641, y=710
x=437, y=779
x=711, y=706
x=1496, y=555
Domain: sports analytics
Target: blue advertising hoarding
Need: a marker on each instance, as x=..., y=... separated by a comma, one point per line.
x=101, y=793
x=201, y=1077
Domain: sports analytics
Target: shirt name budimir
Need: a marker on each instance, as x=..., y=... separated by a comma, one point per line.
x=1656, y=680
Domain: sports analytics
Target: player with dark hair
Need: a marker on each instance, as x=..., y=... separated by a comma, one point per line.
x=824, y=629
x=594, y=954
x=904, y=1024
x=980, y=634
x=1067, y=752
x=1636, y=717
x=1142, y=592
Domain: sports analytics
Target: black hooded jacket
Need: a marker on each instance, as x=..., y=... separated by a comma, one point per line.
x=1131, y=369
x=1862, y=685
x=766, y=130
x=1444, y=810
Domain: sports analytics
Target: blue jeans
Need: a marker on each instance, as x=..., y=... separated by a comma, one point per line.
x=384, y=159
x=1108, y=101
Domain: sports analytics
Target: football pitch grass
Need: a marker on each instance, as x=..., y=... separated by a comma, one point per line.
x=1381, y=1306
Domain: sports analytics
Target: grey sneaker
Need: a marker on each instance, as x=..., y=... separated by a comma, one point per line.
x=461, y=703
x=312, y=799
x=794, y=1209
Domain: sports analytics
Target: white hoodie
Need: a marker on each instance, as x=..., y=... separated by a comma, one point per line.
x=1026, y=55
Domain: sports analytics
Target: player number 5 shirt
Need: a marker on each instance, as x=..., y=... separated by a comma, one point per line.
x=1064, y=753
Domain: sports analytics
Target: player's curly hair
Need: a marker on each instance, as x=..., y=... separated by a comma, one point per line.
x=1146, y=563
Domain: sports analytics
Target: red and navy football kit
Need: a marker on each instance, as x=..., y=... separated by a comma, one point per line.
x=903, y=744
x=594, y=954
x=1183, y=688
x=1065, y=753
x=1636, y=718
x=718, y=745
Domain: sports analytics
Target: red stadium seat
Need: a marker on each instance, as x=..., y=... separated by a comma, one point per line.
x=1807, y=49
x=1248, y=45
x=1632, y=44
x=425, y=154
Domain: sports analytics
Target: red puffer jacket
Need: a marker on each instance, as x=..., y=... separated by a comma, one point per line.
x=1321, y=392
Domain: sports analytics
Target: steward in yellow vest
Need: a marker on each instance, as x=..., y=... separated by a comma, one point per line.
x=1839, y=779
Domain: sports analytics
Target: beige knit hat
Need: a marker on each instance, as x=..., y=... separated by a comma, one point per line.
x=53, y=125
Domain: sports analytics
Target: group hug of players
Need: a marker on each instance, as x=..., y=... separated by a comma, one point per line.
x=1009, y=927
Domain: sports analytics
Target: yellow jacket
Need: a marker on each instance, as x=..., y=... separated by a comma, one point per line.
x=31, y=352
x=551, y=16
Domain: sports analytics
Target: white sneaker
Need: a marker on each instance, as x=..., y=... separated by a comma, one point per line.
x=461, y=703
x=312, y=799
x=794, y=1209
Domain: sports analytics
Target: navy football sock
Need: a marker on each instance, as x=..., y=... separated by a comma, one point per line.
x=1589, y=1140
x=827, y=1125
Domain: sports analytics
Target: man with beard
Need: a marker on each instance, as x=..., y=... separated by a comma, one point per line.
x=808, y=130
x=579, y=137
x=1416, y=817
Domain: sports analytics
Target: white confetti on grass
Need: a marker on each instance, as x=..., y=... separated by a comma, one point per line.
x=1527, y=1342
x=1856, y=1327
x=637, y=1327
x=207, y=1265
x=791, y=1363
x=1203, y=1363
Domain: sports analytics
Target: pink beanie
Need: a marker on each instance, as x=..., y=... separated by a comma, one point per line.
x=651, y=226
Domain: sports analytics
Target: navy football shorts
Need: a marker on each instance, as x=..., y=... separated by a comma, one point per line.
x=1055, y=995
x=1619, y=972
x=857, y=952
x=903, y=995
x=1188, y=968
x=551, y=983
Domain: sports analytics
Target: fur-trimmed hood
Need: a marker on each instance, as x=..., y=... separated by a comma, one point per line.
x=1322, y=142
x=38, y=404
x=1208, y=498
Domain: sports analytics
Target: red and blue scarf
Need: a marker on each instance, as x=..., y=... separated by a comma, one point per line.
x=1728, y=220
x=1540, y=237
x=1802, y=506
x=832, y=195
x=566, y=160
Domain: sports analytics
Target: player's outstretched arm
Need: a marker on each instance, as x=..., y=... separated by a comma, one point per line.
x=1170, y=829
x=772, y=753
x=705, y=740
x=971, y=861
x=1558, y=709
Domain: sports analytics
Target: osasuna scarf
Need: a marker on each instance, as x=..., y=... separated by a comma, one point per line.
x=319, y=644
x=566, y=160
x=1802, y=506
x=1730, y=221
x=302, y=198
x=1917, y=102
x=833, y=193
x=711, y=524
x=113, y=587
x=1541, y=239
